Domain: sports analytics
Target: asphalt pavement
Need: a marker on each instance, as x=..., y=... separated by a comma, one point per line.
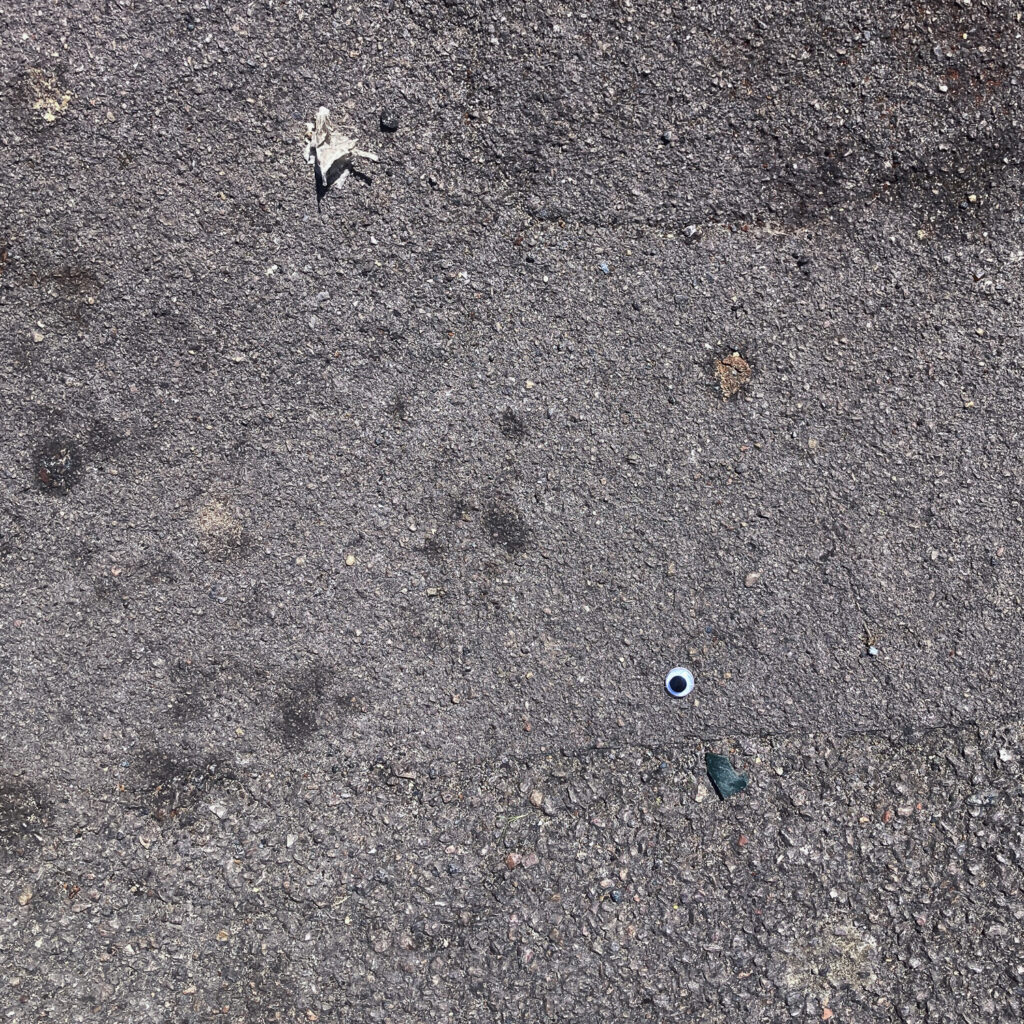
x=346, y=539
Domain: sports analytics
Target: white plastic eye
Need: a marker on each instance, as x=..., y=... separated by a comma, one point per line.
x=679, y=682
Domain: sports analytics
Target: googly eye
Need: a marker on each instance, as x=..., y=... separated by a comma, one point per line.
x=679, y=682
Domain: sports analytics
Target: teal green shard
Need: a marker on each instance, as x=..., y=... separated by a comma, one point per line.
x=726, y=780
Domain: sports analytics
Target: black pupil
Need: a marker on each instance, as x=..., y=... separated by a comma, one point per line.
x=678, y=684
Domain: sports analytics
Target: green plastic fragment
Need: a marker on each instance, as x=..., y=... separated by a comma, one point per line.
x=726, y=780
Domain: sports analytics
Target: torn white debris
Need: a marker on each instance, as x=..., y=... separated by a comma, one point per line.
x=331, y=153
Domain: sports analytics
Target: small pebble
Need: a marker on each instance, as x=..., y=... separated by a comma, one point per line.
x=603, y=267
x=536, y=798
x=388, y=120
x=350, y=559
x=872, y=652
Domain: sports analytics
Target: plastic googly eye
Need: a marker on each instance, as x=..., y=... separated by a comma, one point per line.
x=679, y=682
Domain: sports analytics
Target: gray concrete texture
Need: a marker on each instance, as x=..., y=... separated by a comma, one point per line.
x=344, y=546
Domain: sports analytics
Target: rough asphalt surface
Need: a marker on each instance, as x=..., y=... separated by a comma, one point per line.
x=343, y=551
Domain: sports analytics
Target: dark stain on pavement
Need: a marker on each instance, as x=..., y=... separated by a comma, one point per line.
x=57, y=465
x=176, y=787
x=300, y=702
x=24, y=815
x=512, y=426
x=506, y=527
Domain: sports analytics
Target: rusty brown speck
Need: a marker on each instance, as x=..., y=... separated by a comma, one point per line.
x=733, y=372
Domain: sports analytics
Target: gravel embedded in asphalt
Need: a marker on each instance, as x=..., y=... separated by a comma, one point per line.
x=328, y=536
